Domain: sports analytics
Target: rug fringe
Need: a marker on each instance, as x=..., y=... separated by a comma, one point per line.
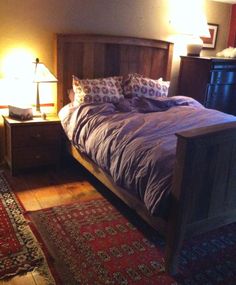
x=42, y=271
x=43, y=268
x=45, y=273
x=30, y=241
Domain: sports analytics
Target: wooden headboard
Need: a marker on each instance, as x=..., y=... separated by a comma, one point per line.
x=94, y=56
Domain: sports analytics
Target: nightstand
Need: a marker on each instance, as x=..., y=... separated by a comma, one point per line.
x=32, y=143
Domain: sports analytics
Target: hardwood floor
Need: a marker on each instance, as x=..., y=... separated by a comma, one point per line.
x=46, y=188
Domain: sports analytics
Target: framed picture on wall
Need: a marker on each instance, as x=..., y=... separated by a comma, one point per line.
x=210, y=43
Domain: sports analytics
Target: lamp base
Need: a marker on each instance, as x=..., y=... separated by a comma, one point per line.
x=194, y=46
x=194, y=50
x=37, y=114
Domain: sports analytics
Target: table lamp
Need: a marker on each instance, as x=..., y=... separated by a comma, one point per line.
x=188, y=19
x=41, y=75
x=195, y=43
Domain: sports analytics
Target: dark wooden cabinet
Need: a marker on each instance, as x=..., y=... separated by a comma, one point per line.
x=32, y=143
x=211, y=81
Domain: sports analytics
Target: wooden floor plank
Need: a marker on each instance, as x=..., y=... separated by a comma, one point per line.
x=29, y=200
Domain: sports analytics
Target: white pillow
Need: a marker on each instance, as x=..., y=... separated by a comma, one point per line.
x=99, y=90
x=137, y=85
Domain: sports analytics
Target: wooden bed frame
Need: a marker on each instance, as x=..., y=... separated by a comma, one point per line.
x=203, y=195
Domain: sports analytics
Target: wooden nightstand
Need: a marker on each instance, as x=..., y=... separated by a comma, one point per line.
x=32, y=143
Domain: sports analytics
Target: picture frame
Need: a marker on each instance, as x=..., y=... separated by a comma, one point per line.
x=210, y=43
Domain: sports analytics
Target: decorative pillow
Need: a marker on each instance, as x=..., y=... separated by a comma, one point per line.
x=137, y=85
x=99, y=90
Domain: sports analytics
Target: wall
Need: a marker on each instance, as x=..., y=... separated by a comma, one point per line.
x=232, y=32
x=219, y=13
x=30, y=26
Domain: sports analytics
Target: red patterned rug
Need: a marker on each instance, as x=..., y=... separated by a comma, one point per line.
x=92, y=243
x=19, y=250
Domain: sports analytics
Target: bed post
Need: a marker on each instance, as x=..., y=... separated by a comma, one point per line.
x=180, y=205
x=204, y=183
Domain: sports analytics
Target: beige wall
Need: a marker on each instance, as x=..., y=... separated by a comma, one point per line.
x=219, y=13
x=33, y=24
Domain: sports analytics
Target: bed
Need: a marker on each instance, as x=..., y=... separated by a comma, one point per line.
x=203, y=195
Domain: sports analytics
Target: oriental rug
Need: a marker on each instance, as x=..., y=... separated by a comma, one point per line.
x=91, y=242
x=19, y=249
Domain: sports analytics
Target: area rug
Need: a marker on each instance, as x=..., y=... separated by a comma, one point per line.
x=92, y=243
x=19, y=250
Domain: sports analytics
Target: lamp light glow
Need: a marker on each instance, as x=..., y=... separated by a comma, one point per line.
x=188, y=18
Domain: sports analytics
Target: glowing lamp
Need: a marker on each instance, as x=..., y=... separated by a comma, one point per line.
x=41, y=75
x=195, y=43
x=188, y=19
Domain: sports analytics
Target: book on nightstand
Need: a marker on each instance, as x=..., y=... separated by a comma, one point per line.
x=20, y=113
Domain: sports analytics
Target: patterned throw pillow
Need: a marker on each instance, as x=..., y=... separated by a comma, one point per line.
x=71, y=95
x=99, y=90
x=137, y=85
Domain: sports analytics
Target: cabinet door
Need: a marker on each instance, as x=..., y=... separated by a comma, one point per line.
x=222, y=98
x=223, y=77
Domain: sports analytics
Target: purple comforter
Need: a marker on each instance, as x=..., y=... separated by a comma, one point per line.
x=135, y=140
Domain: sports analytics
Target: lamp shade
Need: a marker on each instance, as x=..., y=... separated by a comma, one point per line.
x=203, y=30
x=194, y=26
x=42, y=73
x=188, y=18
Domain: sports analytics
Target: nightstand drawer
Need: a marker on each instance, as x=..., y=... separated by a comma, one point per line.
x=35, y=156
x=32, y=136
x=32, y=143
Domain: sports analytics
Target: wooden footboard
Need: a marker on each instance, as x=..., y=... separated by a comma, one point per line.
x=204, y=185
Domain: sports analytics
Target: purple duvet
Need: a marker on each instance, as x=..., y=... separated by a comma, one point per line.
x=134, y=141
